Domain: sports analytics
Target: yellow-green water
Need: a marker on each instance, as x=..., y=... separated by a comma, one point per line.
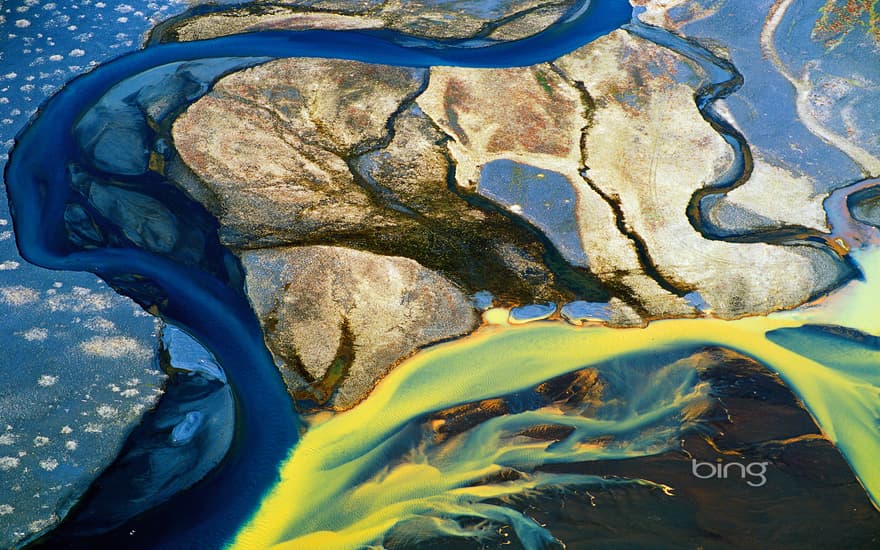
x=342, y=486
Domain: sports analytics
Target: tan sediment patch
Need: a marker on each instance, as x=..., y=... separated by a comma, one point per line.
x=778, y=194
x=305, y=298
x=531, y=23
x=47, y=380
x=657, y=11
x=528, y=114
x=270, y=145
x=239, y=21
x=99, y=324
x=414, y=17
x=772, y=190
x=35, y=334
x=18, y=295
x=115, y=347
x=653, y=151
x=79, y=300
x=536, y=116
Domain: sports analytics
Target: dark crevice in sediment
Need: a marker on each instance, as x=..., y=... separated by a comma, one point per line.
x=378, y=194
x=381, y=194
x=441, y=235
x=580, y=282
x=641, y=248
x=309, y=392
x=466, y=251
x=729, y=81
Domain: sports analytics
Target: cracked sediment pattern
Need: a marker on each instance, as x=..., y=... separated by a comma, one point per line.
x=654, y=183
x=534, y=116
x=353, y=155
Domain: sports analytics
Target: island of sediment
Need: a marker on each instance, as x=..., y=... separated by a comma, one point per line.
x=564, y=182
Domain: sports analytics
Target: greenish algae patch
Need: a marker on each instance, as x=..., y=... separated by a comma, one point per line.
x=541, y=77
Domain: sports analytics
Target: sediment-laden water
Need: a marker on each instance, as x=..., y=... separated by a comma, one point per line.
x=354, y=477
x=355, y=496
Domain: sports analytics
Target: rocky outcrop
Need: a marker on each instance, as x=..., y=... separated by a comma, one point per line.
x=336, y=320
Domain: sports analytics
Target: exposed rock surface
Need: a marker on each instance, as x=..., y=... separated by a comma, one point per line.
x=336, y=320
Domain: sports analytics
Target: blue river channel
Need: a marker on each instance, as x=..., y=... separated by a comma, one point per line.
x=39, y=186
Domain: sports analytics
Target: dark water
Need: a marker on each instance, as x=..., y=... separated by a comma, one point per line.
x=208, y=302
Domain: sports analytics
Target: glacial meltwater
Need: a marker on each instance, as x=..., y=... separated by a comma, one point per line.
x=354, y=497
x=352, y=478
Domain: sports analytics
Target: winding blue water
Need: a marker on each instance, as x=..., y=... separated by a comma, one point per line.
x=721, y=80
x=38, y=183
